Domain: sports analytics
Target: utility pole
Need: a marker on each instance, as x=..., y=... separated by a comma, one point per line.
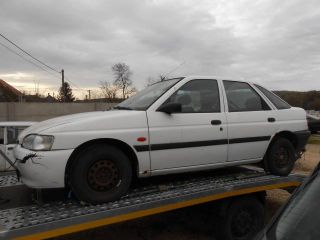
x=89, y=91
x=63, y=90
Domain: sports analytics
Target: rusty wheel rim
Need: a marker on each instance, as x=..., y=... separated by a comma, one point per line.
x=103, y=175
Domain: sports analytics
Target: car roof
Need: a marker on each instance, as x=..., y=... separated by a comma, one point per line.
x=216, y=77
x=190, y=77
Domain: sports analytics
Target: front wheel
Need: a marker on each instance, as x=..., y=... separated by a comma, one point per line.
x=100, y=174
x=280, y=157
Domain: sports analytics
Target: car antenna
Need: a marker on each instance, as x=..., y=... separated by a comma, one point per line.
x=174, y=69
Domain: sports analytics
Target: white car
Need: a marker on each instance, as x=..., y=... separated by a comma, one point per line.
x=178, y=125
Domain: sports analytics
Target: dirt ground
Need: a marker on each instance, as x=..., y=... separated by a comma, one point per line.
x=193, y=222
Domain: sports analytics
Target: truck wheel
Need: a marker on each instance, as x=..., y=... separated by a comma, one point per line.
x=100, y=174
x=280, y=157
x=242, y=220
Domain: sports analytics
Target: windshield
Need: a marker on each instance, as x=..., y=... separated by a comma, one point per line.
x=145, y=98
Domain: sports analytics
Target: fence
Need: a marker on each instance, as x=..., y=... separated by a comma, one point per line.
x=42, y=111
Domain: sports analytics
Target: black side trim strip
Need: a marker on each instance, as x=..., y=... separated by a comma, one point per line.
x=250, y=139
x=164, y=146
x=142, y=148
x=155, y=147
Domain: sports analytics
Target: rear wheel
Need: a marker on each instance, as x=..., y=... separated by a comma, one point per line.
x=280, y=157
x=100, y=174
x=242, y=220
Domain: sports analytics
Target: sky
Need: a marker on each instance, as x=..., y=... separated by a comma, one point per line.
x=271, y=42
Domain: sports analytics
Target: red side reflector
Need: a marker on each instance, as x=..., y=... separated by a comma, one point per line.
x=141, y=139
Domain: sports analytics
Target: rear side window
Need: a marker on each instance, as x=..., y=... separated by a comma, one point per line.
x=243, y=98
x=276, y=100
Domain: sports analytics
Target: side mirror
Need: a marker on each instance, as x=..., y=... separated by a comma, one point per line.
x=170, y=108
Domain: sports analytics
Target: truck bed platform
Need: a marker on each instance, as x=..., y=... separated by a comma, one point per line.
x=147, y=197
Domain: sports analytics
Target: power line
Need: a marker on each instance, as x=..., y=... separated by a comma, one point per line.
x=74, y=85
x=43, y=69
x=29, y=54
x=21, y=56
x=44, y=64
x=71, y=82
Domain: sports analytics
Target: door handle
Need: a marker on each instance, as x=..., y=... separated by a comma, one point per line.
x=271, y=119
x=215, y=122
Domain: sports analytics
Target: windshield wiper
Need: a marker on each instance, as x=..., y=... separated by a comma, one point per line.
x=122, y=108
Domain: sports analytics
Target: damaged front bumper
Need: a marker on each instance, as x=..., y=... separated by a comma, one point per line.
x=42, y=169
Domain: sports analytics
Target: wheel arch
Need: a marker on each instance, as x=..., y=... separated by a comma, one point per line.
x=127, y=149
x=287, y=135
x=282, y=134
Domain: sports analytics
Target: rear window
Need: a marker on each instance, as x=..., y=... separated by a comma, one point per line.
x=276, y=100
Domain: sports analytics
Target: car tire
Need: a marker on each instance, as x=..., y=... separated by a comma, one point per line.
x=242, y=219
x=280, y=157
x=101, y=173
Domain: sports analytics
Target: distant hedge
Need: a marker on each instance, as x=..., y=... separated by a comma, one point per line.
x=307, y=100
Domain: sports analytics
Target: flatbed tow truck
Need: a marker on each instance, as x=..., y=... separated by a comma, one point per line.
x=24, y=218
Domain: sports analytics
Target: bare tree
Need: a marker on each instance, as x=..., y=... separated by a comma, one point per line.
x=95, y=94
x=130, y=91
x=122, y=75
x=108, y=90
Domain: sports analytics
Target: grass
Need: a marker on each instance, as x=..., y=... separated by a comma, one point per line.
x=314, y=139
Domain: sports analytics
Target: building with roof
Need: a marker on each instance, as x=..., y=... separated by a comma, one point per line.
x=9, y=93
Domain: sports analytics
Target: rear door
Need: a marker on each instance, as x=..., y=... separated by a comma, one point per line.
x=251, y=122
x=196, y=136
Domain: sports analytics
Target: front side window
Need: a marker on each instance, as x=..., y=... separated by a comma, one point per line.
x=243, y=98
x=276, y=100
x=198, y=96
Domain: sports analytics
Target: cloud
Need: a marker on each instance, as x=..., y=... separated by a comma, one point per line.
x=267, y=41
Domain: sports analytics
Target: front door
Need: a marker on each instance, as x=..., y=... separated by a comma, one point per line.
x=194, y=137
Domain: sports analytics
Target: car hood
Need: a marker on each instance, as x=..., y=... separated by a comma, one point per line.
x=99, y=120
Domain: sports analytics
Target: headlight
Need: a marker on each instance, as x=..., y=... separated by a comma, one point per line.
x=38, y=142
